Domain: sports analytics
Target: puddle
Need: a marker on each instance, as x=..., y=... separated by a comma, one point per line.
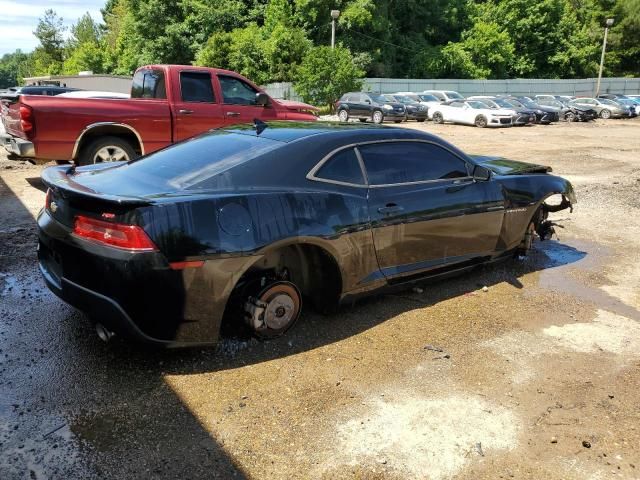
x=417, y=435
x=564, y=260
x=29, y=287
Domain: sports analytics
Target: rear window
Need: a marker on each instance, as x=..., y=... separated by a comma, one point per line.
x=196, y=87
x=194, y=164
x=148, y=83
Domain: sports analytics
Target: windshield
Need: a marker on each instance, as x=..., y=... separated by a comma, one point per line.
x=455, y=95
x=425, y=97
x=376, y=97
x=528, y=103
x=477, y=104
x=403, y=99
x=502, y=103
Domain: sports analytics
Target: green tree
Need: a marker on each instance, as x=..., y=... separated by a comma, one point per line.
x=326, y=73
x=50, y=32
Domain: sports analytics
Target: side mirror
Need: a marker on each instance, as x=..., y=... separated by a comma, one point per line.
x=262, y=99
x=481, y=174
x=367, y=101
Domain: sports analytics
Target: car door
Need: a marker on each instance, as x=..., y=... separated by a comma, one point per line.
x=457, y=112
x=426, y=210
x=366, y=105
x=356, y=105
x=196, y=110
x=239, y=101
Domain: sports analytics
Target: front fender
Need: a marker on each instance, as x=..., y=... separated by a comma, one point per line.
x=524, y=195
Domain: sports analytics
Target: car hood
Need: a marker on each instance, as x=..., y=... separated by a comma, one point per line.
x=297, y=106
x=499, y=111
x=504, y=166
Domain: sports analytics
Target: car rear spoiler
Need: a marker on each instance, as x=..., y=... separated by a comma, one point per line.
x=61, y=178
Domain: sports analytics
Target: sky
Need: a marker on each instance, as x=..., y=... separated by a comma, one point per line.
x=19, y=18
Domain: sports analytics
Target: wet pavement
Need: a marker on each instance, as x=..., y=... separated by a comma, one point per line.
x=447, y=381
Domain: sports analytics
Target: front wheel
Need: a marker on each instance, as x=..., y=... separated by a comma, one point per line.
x=107, y=149
x=378, y=117
x=438, y=118
x=481, y=121
x=570, y=117
x=343, y=115
x=605, y=114
x=274, y=310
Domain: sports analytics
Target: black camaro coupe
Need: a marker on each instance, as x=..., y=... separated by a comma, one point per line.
x=244, y=223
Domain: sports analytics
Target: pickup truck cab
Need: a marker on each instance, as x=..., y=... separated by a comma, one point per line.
x=168, y=103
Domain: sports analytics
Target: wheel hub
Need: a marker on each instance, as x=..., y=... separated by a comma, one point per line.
x=279, y=311
x=110, y=154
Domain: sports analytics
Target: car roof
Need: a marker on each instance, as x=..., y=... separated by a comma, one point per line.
x=289, y=131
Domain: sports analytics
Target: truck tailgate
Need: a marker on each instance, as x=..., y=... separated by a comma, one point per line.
x=11, y=118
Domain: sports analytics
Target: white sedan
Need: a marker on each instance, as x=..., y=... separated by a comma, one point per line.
x=471, y=112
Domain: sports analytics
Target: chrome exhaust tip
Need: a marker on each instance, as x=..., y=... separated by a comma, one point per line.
x=104, y=333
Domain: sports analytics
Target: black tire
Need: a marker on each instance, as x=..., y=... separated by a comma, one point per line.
x=102, y=148
x=606, y=114
x=481, y=121
x=283, y=306
x=397, y=121
x=420, y=119
x=570, y=117
x=377, y=117
x=438, y=118
x=362, y=120
x=343, y=115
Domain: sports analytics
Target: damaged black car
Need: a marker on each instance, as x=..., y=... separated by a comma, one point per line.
x=246, y=224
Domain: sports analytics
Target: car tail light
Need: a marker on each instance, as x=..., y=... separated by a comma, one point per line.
x=47, y=199
x=26, y=119
x=126, y=237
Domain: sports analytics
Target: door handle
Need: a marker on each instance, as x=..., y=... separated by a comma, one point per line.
x=390, y=208
x=184, y=111
x=233, y=114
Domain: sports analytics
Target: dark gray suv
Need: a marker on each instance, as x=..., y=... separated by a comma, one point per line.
x=369, y=106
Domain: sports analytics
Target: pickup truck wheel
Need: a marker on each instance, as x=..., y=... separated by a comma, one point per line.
x=343, y=115
x=107, y=149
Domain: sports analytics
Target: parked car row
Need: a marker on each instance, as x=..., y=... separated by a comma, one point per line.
x=483, y=110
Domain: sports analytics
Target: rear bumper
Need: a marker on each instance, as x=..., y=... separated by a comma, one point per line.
x=135, y=295
x=18, y=146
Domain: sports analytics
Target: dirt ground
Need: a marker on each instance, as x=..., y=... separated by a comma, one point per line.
x=538, y=377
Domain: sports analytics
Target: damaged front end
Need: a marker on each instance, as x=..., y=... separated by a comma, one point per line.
x=540, y=224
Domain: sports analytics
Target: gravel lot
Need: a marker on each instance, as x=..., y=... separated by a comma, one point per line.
x=535, y=378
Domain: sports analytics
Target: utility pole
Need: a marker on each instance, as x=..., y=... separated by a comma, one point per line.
x=608, y=24
x=334, y=16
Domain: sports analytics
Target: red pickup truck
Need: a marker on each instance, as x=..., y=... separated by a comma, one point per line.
x=168, y=103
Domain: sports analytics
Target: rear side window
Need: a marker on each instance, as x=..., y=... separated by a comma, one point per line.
x=237, y=92
x=210, y=157
x=196, y=87
x=342, y=167
x=148, y=83
x=406, y=162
